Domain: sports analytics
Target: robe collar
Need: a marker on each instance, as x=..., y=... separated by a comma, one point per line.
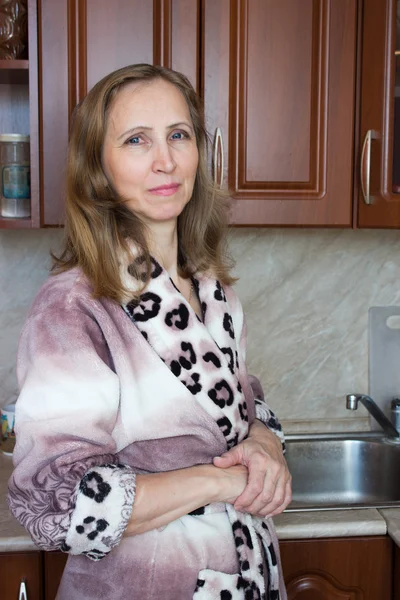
x=203, y=355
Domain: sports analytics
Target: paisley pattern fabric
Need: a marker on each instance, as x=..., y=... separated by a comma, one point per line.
x=105, y=397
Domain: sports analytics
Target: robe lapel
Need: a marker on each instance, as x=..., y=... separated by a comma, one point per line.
x=202, y=355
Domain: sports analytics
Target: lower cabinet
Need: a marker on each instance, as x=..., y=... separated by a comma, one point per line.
x=340, y=568
x=21, y=575
x=54, y=563
x=364, y=568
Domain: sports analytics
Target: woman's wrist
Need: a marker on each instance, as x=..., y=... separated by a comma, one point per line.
x=259, y=430
x=213, y=481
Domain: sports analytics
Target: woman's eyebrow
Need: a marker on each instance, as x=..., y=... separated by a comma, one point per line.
x=133, y=129
x=179, y=124
x=147, y=128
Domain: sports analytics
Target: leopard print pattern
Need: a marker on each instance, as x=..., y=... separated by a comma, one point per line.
x=103, y=506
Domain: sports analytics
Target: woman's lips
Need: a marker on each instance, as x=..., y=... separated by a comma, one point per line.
x=165, y=190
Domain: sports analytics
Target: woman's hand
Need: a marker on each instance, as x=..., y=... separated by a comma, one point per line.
x=234, y=482
x=268, y=490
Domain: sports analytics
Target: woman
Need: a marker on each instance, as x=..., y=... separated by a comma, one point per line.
x=139, y=441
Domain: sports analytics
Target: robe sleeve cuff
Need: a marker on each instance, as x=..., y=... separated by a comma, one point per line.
x=103, y=505
x=267, y=416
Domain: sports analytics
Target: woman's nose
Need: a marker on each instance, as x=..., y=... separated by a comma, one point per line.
x=163, y=159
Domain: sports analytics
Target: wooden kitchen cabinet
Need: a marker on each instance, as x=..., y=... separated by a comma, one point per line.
x=279, y=82
x=290, y=91
x=364, y=568
x=83, y=40
x=17, y=568
x=277, y=79
x=339, y=569
x=54, y=564
x=378, y=166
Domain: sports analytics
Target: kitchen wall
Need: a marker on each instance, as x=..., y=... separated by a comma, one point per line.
x=306, y=295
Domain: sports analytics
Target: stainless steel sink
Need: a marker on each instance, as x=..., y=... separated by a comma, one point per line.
x=331, y=472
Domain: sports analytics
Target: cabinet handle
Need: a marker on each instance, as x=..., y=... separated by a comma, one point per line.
x=22, y=591
x=218, y=158
x=365, y=167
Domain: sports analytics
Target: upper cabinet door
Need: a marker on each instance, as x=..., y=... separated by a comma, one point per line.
x=379, y=162
x=83, y=40
x=279, y=90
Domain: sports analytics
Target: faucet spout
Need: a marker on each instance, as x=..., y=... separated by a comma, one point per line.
x=352, y=401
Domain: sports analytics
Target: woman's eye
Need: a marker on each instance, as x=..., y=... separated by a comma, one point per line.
x=134, y=141
x=180, y=135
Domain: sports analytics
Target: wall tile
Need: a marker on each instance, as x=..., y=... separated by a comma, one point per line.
x=24, y=265
x=306, y=295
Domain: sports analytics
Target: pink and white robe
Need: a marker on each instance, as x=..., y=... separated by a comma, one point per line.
x=109, y=392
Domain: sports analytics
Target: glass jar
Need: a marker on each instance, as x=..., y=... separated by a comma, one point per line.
x=13, y=29
x=15, y=176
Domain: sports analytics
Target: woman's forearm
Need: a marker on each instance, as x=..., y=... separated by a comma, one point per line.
x=163, y=497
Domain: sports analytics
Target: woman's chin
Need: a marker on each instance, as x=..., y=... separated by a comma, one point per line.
x=158, y=212
x=165, y=213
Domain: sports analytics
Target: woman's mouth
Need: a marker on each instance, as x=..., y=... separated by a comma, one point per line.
x=165, y=190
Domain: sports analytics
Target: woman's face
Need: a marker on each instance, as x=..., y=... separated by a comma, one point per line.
x=150, y=154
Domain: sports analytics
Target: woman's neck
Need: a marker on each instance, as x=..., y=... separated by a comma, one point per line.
x=163, y=245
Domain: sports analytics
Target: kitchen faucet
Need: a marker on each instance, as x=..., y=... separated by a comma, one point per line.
x=390, y=430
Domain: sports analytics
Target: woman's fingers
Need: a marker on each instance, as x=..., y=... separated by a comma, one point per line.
x=228, y=459
x=281, y=500
x=270, y=498
x=267, y=496
x=263, y=475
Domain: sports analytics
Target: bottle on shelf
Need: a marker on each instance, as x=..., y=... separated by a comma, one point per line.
x=15, y=192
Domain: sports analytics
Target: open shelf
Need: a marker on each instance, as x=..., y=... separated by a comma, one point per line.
x=19, y=113
x=14, y=71
x=6, y=223
x=11, y=65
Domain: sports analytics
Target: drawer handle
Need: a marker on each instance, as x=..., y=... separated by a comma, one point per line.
x=218, y=158
x=22, y=591
x=365, y=167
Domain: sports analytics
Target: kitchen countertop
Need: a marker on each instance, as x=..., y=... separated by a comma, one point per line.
x=289, y=525
x=13, y=537
x=331, y=523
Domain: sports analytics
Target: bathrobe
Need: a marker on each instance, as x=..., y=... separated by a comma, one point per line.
x=109, y=391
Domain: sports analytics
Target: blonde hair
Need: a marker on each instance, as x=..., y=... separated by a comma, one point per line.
x=98, y=223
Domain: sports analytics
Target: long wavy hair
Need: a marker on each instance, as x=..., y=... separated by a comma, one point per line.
x=99, y=225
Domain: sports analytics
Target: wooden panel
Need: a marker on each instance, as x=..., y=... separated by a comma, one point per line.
x=13, y=64
x=54, y=564
x=34, y=111
x=396, y=573
x=15, y=567
x=53, y=106
x=287, y=113
x=287, y=103
x=119, y=33
x=83, y=40
x=185, y=39
x=377, y=112
x=338, y=569
x=320, y=587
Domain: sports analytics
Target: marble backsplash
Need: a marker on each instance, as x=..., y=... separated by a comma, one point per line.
x=306, y=295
